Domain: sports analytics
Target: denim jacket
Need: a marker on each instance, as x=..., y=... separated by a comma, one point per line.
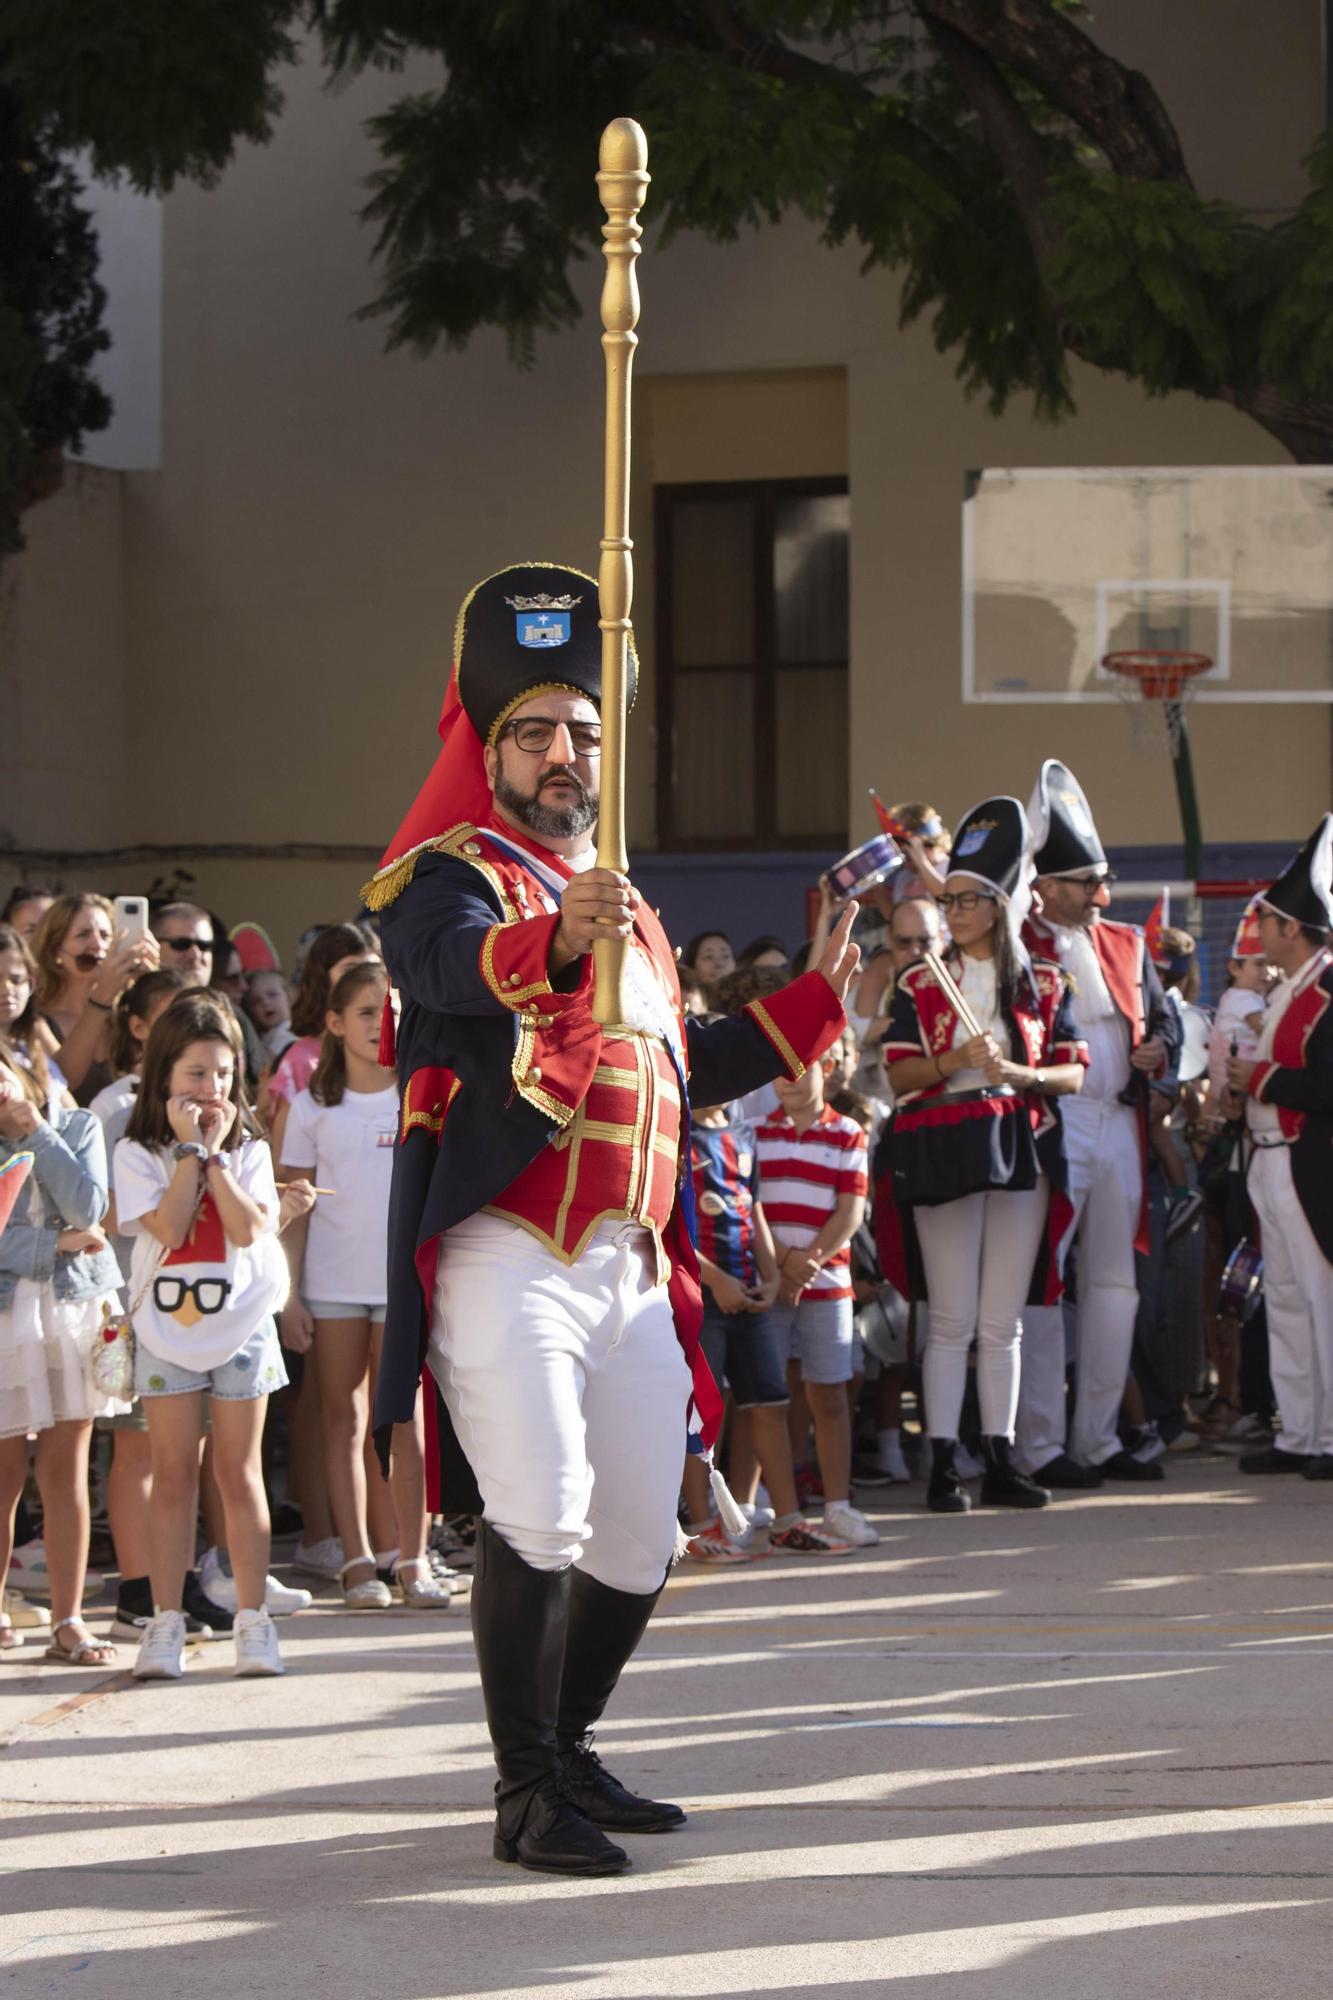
x=67, y=1189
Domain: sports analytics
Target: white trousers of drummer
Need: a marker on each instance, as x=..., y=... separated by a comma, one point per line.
x=1105, y=1187
x=979, y=1253
x=1298, y=1299
x=568, y=1390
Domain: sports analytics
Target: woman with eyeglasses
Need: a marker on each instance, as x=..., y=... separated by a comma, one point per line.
x=969, y=1105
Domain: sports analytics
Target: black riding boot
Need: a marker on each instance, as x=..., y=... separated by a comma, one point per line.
x=946, y=1493
x=605, y=1626
x=1004, y=1485
x=519, y=1616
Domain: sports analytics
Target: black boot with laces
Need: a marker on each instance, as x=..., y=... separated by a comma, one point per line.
x=606, y=1801
x=946, y=1493
x=1004, y=1485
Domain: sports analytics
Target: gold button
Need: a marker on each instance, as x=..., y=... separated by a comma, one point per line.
x=534, y=1074
x=471, y=847
x=516, y=979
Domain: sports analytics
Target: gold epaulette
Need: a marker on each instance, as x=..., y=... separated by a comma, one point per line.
x=389, y=882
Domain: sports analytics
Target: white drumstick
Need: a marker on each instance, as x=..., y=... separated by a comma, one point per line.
x=945, y=979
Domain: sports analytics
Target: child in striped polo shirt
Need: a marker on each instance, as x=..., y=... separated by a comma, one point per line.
x=744, y=1348
x=812, y=1178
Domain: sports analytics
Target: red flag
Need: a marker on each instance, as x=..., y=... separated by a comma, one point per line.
x=1159, y=917
x=887, y=823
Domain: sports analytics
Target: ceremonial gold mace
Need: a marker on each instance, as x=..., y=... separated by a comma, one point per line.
x=622, y=182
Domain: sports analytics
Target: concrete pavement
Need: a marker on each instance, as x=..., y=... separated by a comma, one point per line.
x=1081, y=1753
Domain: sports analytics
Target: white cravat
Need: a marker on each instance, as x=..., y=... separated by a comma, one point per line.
x=1099, y=1020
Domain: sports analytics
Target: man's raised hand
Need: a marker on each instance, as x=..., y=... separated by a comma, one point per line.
x=841, y=956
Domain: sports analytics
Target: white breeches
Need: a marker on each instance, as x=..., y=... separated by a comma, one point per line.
x=1106, y=1190
x=1039, y=1430
x=568, y=1390
x=979, y=1254
x=1298, y=1295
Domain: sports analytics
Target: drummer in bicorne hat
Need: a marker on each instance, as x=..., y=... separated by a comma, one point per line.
x=964, y=1155
x=1120, y=1013
x=539, y=1241
x=1287, y=1095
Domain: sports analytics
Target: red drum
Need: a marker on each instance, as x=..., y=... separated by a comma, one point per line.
x=1242, y=1283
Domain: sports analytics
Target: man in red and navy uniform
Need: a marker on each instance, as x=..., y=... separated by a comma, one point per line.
x=540, y=1254
x=1119, y=1013
x=1287, y=1097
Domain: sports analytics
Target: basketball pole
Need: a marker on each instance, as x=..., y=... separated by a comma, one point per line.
x=1191, y=826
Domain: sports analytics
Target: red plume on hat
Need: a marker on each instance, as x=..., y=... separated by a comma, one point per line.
x=1246, y=943
x=456, y=787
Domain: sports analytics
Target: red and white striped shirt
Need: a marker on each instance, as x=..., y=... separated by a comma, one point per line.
x=801, y=1176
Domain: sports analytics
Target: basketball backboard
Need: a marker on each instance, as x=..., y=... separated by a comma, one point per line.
x=1062, y=565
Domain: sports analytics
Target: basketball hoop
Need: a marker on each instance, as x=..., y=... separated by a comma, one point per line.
x=1165, y=679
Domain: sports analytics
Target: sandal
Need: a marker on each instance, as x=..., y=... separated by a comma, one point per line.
x=9, y=1638
x=85, y=1652
x=368, y=1595
x=422, y=1591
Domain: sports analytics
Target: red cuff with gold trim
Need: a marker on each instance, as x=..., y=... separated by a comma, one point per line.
x=802, y=1020
x=1259, y=1076
x=515, y=964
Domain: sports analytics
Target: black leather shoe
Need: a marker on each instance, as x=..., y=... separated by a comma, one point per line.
x=1273, y=1460
x=557, y=1839
x=1003, y=1484
x=590, y=1786
x=946, y=1493
x=1320, y=1467
x=1125, y=1466
x=1063, y=1472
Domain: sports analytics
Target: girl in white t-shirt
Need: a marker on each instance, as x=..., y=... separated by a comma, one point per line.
x=341, y=1133
x=195, y=1189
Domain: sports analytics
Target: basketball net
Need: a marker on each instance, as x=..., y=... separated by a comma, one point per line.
x=1154, y=685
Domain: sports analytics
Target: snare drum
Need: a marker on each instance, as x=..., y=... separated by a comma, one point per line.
x=866, y=867
x=1242, y=1283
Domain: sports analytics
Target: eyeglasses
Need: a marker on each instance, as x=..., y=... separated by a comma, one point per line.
x=209, y=1294
x=964, y=902
x=536, y=733
x=923, y=940
x=1087, y=882
x=182, y=945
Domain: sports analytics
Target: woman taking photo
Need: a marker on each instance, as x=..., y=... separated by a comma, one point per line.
x=82, y=968
x=970, y=1101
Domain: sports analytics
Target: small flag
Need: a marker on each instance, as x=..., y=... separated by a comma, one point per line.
x=1159, y=919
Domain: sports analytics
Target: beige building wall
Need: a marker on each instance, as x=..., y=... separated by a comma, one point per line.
x=261, y=630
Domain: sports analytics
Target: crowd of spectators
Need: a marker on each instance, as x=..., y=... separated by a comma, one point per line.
x=178, y=1105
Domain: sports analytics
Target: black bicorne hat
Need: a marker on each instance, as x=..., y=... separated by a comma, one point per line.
x=991, y=844
x=525, y=631
x=1304, y=889
x=1063, y=831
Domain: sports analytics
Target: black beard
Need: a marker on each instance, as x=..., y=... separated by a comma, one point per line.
x=549, y=822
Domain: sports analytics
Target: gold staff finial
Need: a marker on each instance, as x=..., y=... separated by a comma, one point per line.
x=622, y=183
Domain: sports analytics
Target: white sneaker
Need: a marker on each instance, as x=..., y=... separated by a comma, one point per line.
x=891, y=1460
x=28, y=1572
x=319, y=1558
x=1150, y=1447
x=219, y=1586
x=256, y=1639
x=849, y=1524
x=162, y=1648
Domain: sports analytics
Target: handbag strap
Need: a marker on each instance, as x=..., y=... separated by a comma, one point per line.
x=160, y=1258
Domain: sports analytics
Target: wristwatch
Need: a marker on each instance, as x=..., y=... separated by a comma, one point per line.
x=190, y=1149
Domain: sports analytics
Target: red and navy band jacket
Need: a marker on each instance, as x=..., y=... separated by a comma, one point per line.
x=1043, y=1035
x=495, y=1057
x=1298, y=1079
x=1136, y=991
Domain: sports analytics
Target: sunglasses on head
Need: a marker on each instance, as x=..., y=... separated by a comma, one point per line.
x=183, y=945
